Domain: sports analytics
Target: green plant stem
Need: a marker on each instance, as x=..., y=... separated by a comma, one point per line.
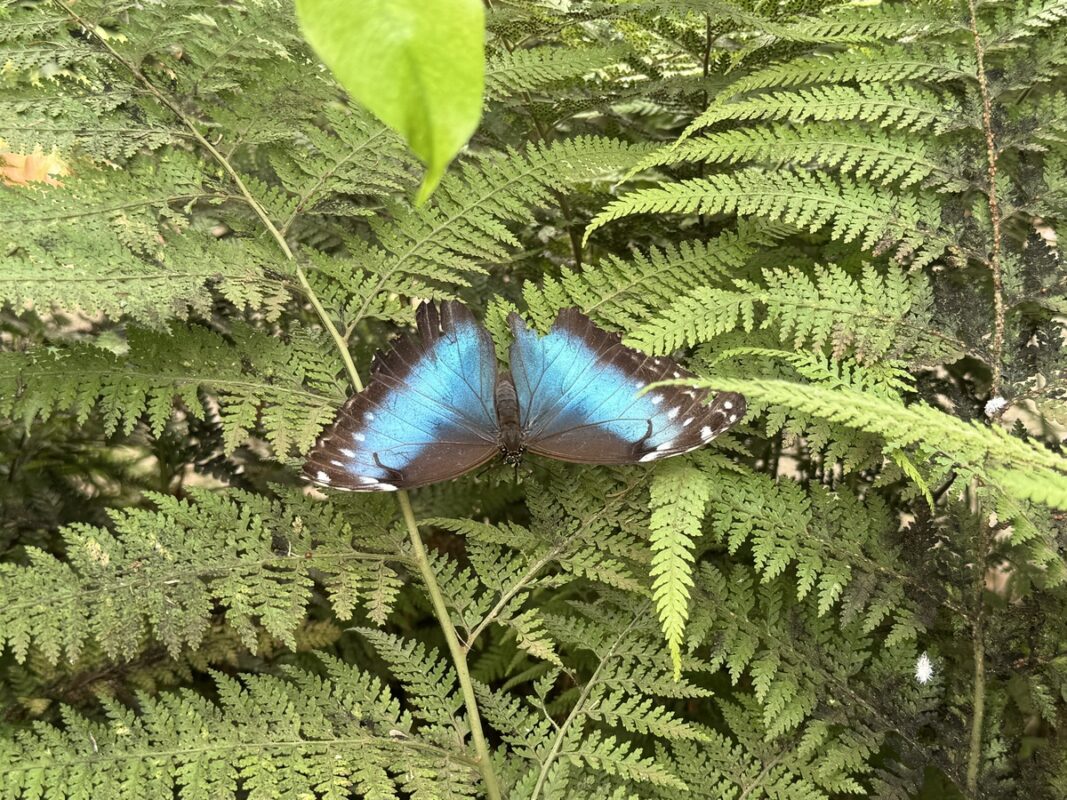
x=485, y=764
x=327, y=323
x=459, y=658
x=561, y=731
x=974, y=752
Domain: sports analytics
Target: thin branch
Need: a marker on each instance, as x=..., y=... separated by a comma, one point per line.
x=974, y=752
x=459, y=656
x=994, y=204
x=561, y=734
x=507, y=596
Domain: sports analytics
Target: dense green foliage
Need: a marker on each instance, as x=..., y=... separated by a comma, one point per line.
x=848, y=212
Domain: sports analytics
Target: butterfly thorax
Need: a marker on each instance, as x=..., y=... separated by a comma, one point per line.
x=507, y=414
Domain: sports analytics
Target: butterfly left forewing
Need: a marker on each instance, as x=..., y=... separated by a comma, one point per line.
x=578, y=390
x=426, y=414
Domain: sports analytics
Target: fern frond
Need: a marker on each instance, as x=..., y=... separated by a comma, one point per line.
x=990, y=452
x=115, y=244
x=879, y=156
x=888, y=63
x=904, y=107
x=264, y=736
x=679, y=497
x=450, y=239
x=428, y=684
x=880, y=314
x=624, y=291
x=860, y=24
x=159, y=572
x=851, y=209
x=351, y=154
x=1033, y=17
x=887, y=378
x=289, y=389
x=522, y=71
x=607, y=754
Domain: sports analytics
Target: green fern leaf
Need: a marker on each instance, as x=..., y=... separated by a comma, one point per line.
x=679, y=497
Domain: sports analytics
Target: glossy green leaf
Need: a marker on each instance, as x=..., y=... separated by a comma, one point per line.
x=418, y=65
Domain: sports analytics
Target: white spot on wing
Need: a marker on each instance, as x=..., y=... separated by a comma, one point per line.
x=386, y=487
x=649, y=456
x=673, y=413
x=349, y=453
x=687, y=423
x=337, y=463
x=733, y=418
x=727, y=405
x=358, y=437
x=657, y=399
x=322, y=476
x=369, y=415
x=706, y=433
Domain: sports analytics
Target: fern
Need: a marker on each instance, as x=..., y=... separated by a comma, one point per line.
x=679, y=497
x=261, y=744
x=876, y=155
x=519, y=72
x=851, y=213
x=158, y=563
x=880, y=315
x=257, y=381
x=991, y=453
x=852, y=209
x=626, y=290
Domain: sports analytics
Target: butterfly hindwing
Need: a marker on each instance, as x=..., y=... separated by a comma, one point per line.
x=578, y=393
x=426, y=415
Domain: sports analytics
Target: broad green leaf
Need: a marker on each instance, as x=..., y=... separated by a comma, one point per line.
x=418, y=65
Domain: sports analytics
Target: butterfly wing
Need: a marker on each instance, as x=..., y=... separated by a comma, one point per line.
x=578, y=397
x=426, y=415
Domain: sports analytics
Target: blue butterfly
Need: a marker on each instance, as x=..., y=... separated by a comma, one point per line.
x=437, y=406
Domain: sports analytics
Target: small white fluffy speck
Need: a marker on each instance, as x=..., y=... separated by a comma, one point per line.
x=924, y=669
x=994, y=406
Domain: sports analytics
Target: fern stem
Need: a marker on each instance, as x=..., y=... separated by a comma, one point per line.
x=561, y=731
x=974, y=753
x=994, y=204
x=186, y=121
x=459, y=656
x=327, y=323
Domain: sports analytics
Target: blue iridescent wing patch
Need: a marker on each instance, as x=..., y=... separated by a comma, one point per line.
x=426, y=415
x=578, y=390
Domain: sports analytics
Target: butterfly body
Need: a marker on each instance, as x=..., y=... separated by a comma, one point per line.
x=437, y=406
x=512, y=446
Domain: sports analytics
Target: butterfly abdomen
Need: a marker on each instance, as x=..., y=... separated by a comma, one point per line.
x=507, y=415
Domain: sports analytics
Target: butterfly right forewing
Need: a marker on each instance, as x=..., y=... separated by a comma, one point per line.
x=580, y=390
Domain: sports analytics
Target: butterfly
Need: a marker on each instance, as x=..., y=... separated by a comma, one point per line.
x=437, y=406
